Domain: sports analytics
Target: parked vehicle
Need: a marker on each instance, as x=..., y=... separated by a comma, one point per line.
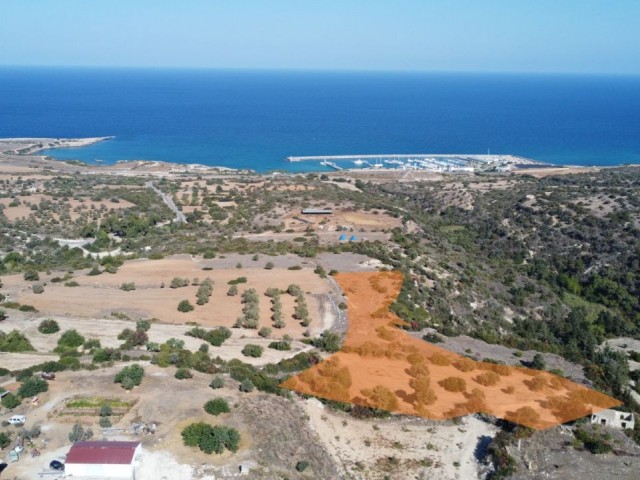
x=56, y=465
x=18, y=420
x=48, y=375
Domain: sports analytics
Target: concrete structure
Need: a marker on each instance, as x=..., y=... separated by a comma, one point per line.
x=103, y=459
x=317, y=211
x=613, y=418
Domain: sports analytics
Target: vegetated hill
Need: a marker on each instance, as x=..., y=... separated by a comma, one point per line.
x=551, y=264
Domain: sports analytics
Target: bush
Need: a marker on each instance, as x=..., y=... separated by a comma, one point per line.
x=133, y=338
x=48, y=326
x=488, y=379
x=217, y=382
x=144, y=325
x=94, y=271
x=79, y=434
x=265, y=332
x=32, y=386
x=37, y=288
x=31, y=276
x=178, y=282
x=106, y=410
x=538, y=362
x=10, y=401
x=128, y=287
x=281, y=345
x=215, y=337
x=5, y=440
x=104, y=422
x=237, y=281
x=27, y=308
x=106, y=355
x=183, y=374
x=302, y=465
x=453, y=384
x=184, y=306
x=233, y=291
x=130, y=376
x=71, y=339
x=14, y=341
x=217, y=406
x=251, y=350
x=211, y=438
x=246, y=386
x=328, y=341
x=269, y=266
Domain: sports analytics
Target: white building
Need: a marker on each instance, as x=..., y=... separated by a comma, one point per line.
x=613, y=418
x=113, y=460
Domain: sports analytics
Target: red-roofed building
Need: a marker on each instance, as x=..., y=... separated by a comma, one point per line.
x=113, y=460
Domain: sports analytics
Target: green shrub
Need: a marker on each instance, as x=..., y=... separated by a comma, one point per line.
x=128, y=287
x=143, y=325
x=48, y=326
x=37, y=288
x=14, y=341
x=71, y=339
x=183, y=374
x=5, y=440
x=237, y=281
x=31, y=276
x=178, y=282
x=130, y=376
x=246, y=386
x=10, y=401
x=79, y=434
x=184, y=306
x=217, y=406
x=281, y=345
x=32, y=386
x=104, y=422
x=27, y=308
x=217, y=382
x=302, y=465
x=265, y=332
x=211, y=438
x=328, y=341
x=251, y=350
x=106, y=410
x=94, y=271
x=72, y=283
x=106, y=355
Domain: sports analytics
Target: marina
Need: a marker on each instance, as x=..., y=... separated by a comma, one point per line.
x=427, y=162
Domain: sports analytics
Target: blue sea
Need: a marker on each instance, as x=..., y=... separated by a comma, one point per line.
x=255, y=119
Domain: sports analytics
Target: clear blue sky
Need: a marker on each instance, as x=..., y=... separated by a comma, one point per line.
x=451, y=35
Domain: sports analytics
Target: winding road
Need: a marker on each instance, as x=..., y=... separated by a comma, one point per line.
x=180, y=218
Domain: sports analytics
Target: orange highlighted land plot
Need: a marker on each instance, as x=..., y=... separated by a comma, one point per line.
x=381, y=366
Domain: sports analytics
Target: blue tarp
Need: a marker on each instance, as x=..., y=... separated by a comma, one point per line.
x=353, y=238
x=343, y=237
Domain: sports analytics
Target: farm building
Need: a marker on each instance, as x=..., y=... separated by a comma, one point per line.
x=317, y=211
x=103, y=459
x=613, y=418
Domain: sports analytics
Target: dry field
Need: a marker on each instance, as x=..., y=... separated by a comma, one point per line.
x=345, y=218
x=100, y=296
x=381, y=366
x=402, y=448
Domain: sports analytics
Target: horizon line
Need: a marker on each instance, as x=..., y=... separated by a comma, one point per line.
x=326, y=70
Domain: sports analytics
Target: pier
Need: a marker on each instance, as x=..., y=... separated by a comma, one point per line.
x=420, y=161
x=329, y=164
